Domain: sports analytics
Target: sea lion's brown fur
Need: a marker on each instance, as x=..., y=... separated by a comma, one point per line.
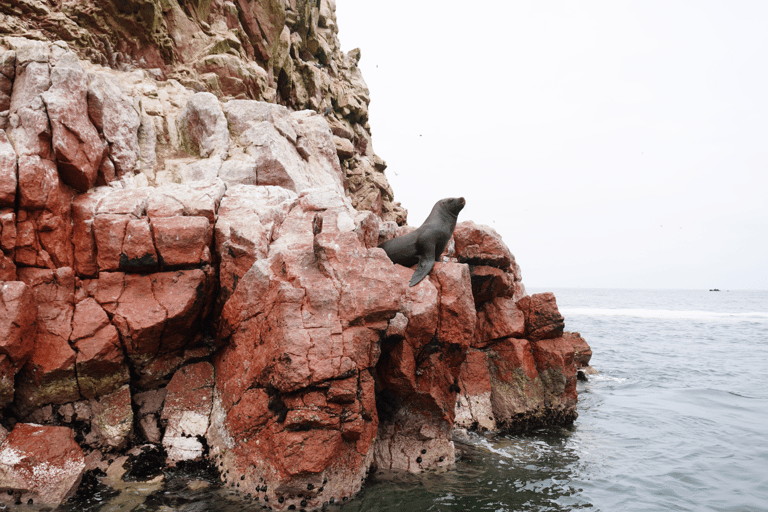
x=425, y=245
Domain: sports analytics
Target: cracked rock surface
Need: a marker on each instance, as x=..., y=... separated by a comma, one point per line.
x=190, y=209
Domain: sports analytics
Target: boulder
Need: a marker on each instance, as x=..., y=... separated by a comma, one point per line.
x=295, y=151
x=76, y=143
x=112, y=420
x=182, y=241
x=582, y=351
x=40, y=465
x=114, y=115
x=496, y=319
x=477, y=244
x=542, y=318
x=203, y=127
x=186, y=411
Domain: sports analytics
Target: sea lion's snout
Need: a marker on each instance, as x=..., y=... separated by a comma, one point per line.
x=458, y=204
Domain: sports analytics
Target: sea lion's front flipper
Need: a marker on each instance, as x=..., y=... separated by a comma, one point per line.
x=426, y=262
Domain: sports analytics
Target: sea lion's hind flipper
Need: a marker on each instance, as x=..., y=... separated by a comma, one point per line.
x=425, y=266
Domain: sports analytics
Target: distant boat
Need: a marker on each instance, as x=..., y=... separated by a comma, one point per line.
x=715, y=290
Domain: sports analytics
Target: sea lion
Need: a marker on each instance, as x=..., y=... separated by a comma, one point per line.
x=425, y=245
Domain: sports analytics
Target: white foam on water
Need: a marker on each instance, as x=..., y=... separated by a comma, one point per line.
x=606, y=378
x=711, y=316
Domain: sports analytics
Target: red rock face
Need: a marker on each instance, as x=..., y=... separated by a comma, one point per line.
x=473, y=404
x=8, y=172
x=529, y=375
x=138, y=253
x=76, y=143
x=18, y=321
x=187, y=407
x=419, y=371
x=155, y=314
x=43, y=465
x=481, y=245
x=83, y=240
x=582, y=351
x=516, y=388
x=182, y=241
x=555, y=363
x=542, y=318
x=497, y=319
x=49, y=375
x=114, y=299
x=301, y=410
x=489, y=283
x=101, y=366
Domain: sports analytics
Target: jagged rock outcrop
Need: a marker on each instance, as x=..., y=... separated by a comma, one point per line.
x=278, y=51
x=189, y=222
x=520, y=371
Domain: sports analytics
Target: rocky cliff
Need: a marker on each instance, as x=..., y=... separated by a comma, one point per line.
x=190, y=208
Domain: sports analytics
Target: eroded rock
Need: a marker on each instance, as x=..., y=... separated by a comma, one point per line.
x=186, y=411
x=326, y=362
x=40, y=465
x=76, y=143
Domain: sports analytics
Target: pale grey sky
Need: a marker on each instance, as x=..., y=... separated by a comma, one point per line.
x=611, y=143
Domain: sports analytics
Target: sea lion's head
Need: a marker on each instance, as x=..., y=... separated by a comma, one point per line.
x=453, y=205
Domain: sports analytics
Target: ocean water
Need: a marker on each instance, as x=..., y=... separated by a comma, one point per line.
x=677, y=420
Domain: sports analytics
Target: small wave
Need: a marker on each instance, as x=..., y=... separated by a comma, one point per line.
x=752, y=316
x=606, y=378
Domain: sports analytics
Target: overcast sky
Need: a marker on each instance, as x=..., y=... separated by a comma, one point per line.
x=619, y=144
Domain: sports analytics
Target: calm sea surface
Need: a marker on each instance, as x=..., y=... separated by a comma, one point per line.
x=677, y=420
